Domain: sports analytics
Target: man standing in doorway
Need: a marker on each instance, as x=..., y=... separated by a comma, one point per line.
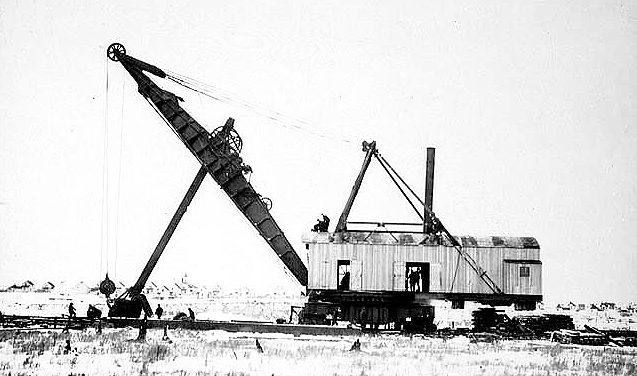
x=419, y=279
x=413, y=279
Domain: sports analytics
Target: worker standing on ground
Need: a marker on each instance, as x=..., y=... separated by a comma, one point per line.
x=143, y=328
x=93, y=312
x=356, y=346
x=159, y=311
x=191, y=314
x=72, y=310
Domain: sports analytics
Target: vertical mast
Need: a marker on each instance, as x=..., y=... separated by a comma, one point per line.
x=429, y=190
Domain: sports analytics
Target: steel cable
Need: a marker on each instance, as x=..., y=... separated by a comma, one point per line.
x=119, y=178
x=228, y=98
x=104, y=211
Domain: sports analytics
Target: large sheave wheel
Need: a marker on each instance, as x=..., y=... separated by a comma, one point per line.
x=111, y=51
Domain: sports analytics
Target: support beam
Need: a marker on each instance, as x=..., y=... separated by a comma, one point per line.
x=168, y=233
x=370, y=148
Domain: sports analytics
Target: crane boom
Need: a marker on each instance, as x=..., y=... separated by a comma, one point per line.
x=217, y=154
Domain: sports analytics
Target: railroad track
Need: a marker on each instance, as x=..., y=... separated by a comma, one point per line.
x=590, y=336
x=80, y=323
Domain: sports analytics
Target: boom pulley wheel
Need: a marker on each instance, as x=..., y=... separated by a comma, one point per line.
x=267, y=202
x=114, y=50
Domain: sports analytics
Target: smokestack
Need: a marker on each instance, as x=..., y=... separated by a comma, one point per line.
x=429, y=188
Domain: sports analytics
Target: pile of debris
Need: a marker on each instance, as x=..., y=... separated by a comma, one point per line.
x=64, y=322
x=579, y=338
x=490, y=320
x=543, y=325
x=626, y=337
x=486, y=319
x=596, y=337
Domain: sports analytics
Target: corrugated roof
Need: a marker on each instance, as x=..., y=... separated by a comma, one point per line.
x=418, y=238
x=499, y=241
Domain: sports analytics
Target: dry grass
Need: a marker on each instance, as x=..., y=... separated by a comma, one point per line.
x=219, y=353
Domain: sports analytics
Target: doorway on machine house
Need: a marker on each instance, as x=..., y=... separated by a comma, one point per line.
x=417, y=276
x=343, y=275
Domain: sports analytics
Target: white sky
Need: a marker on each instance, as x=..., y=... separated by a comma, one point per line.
x=531, y=107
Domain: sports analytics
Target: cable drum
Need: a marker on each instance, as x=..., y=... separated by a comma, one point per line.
x=231, y=138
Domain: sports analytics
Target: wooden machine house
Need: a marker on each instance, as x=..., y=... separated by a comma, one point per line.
x=382, y=262
x=401, y=266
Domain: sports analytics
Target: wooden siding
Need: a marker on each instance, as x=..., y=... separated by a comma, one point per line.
x=381, y=267
x=514, y=283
